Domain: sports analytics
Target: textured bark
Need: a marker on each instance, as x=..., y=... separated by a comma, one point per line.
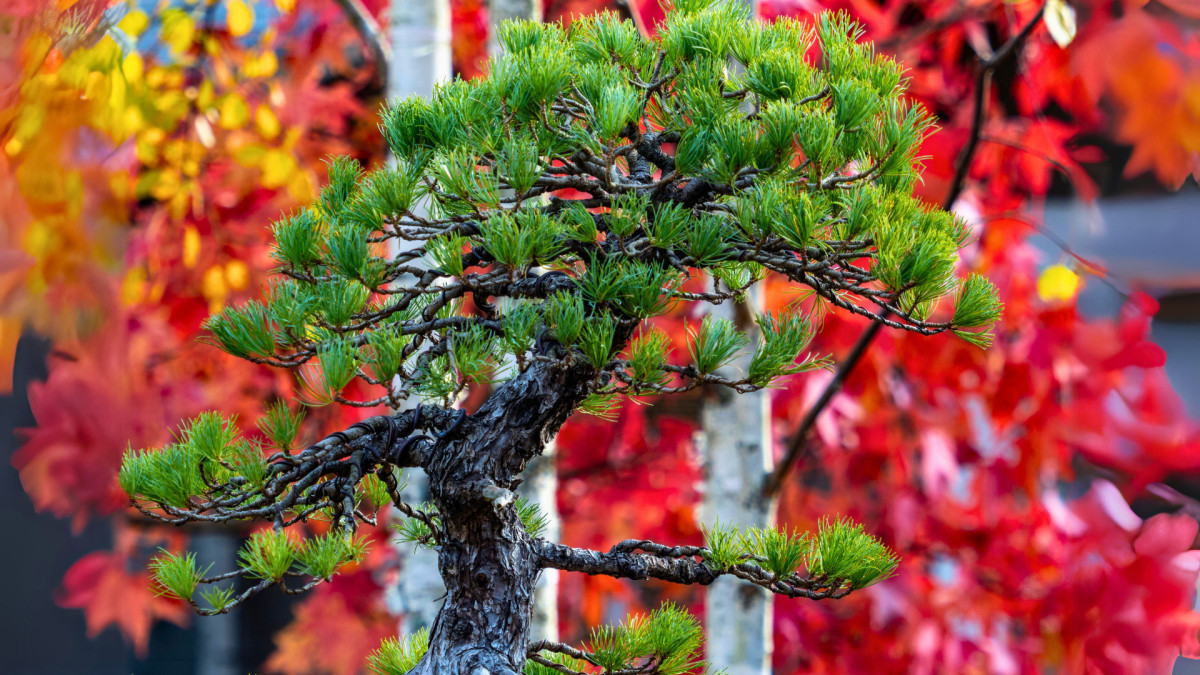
x=488, y=562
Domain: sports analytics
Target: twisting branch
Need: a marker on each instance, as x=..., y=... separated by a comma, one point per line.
x=680, y=565
x=371, y=33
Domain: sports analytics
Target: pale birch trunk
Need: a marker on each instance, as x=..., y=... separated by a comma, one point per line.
x=735, y=442
x=541, y=488
x=419, y=35
x=500, y=11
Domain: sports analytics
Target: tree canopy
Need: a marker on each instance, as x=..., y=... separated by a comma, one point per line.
x=592, y=181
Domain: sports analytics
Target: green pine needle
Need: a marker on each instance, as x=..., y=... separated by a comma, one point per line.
x=176, y=576
x=716, y=344
x=281, y=425
x=843, y=551
x=268, y=555
x=397, y=656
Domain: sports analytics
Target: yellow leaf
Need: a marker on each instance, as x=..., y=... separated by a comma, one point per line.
x=40, y=239
x=133, y=286
x=234, y=112
x=237, y=274
x=285, y=6
x=134, y=23
x=250, y=154
x=212, y=286
x=1060, y=21
x=191, y=246
x=133, y=67
x=239, y=17
x=167, y=186
x=277, y=166
x=178, y=30
x=262, y=66
x=300, y=187
x=1058, y=283
x=267, y=122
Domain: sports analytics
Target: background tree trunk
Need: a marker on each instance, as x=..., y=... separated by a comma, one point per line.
x=500, y=11
x=419, y=34
x=541, y=488
x=735, y=442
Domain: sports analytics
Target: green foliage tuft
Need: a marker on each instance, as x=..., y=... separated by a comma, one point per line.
x=782, y=553
x=783, y=338
x=320, y=557
x=267, y=555
x=281, y=425
x=669, y=636
x=219, y=598
x=532, y=518
x=245, y=332
x=397, y=656
x=715, y=344
x=297, y=239
x=176, y=576
x=565, y=317
x=647, y=356
x=977, y=303
x=604, y=406
x=724, y=546
x=843, y=551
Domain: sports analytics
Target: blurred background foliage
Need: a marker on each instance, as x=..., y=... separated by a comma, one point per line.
x=1042, y=494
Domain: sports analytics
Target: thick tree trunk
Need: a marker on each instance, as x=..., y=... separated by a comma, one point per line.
x=489, y=570
x=486, y=558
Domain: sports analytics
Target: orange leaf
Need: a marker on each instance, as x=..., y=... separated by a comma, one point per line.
x=10, y=332
x=108, y=595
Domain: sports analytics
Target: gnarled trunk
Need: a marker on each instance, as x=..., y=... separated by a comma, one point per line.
x=489, y=570
x=486, y=558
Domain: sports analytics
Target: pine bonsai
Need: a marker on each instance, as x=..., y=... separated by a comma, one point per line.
x=682, y=167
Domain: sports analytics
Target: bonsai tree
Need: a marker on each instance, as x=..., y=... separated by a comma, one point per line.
x=592, y=181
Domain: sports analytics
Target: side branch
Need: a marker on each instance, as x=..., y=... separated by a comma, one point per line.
x=679, y=565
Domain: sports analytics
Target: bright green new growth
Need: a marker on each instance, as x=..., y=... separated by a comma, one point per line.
x=669, y=636
x=397, y=656
x=840, y=554
x=268, y=555
x=176, y=575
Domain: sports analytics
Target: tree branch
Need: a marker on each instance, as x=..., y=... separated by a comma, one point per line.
x=679, y=565
x=369, y=30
